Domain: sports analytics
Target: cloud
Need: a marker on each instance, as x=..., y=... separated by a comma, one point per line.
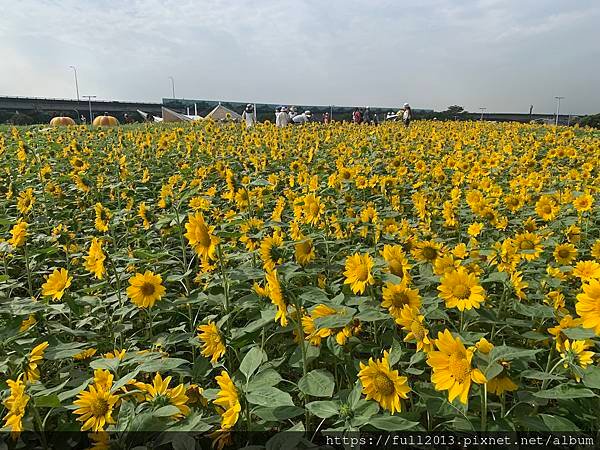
x=501, y=54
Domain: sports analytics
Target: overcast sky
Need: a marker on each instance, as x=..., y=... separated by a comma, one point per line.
x=500, y=54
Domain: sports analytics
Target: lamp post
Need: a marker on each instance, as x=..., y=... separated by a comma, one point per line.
x=90, y=97
x=172, y=86
x=558, y=99
x=76, y=83
x=482, y=110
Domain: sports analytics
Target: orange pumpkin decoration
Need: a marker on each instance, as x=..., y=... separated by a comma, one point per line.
x=62, y=121
x=105, y=121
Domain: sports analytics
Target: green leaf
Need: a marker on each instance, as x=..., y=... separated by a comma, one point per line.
x=124, y=380
x=278, y=413
x=314, y=295
x=392, y=423
x=492, y=370
x=266, y=378
x=539, y=375
x=285, y=440
x=558, y=424
x=496, y=277
x=269, y=396
x=324, y=409
x=73, y=392
x=162, y=365
x=579, y=333
x=109, y=364
x=48, y=401
x=339, y=320
x=252, y=361
x=318, y=383
x=591, y=377
x=166, y=411
x=564, y=391
x=507, y=353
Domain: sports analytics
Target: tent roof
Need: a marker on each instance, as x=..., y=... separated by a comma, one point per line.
x=220, y=112
x=169, y=115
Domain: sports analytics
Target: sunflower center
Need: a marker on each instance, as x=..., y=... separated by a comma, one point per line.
x=461, y=291
x=564, y=253
x=99, y=407
x=362, y=272
x=204, y=238
x=384, y=385
x=400, y=299
x=147, y=289
x=459, y=367
x=314, y=208
x=527, y=245
x=429, y=253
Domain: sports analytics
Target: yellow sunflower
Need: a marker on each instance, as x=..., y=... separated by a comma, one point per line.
x=250, y=230
x=201, y=237
x=413, y=323
x=276, y=296
x=270, y=251
x=102, y=217
x=15, y=405
x=528, y=245
x=576, y=355
x=451, y=365
x=396, y=260
x=587, y=270
x=94, y=261
x=305, y=252
x=32, y=372
x=25, y=201
x=19, y=233
x=382, y=384
x=588, y=306
x=461, y=290
x=228, y=400
x=358, y=272
x=583, y=203
x=145, y=289
x=160, y=394
x=398, y=296
x=95, y=408
x=564, y=254
x=312, y=209
x=427, y=251
x=56, y=284
x=213, y=345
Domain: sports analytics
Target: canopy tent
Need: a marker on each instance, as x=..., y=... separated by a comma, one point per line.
x=221, y=113
x=145, y=116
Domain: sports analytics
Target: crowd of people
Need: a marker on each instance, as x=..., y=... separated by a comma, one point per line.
x=285, y=116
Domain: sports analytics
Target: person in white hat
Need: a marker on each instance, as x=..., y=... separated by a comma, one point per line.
x=248, y=116
x=406, y=115
x=282, y=118
x=303, y=118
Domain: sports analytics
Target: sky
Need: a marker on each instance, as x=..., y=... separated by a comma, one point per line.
x=503, y=55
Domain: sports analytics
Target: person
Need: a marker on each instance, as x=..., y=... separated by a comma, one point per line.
x=391, y=116
x=83, y=119
x=248, y=116
x=407, y=115
x=326, y=118
x=282, y=118
x=356, y=116
x=367, y=116
x=303, y=118
x=375, y=120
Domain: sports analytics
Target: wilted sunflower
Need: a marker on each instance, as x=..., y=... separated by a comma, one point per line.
x=398, y=296
x=358, y=272
x=588, y=305
x=213, y=345
x=145, y=289
x=56, y=283
x=451, y=365
x=228, y=400
x=201, y=237
x=382, y=384
x=461, y=290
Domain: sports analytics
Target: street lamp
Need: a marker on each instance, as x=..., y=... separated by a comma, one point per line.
x=558, y=99
x=172, y=86
x=482, y=110
x=90, y=97
x=76, y=83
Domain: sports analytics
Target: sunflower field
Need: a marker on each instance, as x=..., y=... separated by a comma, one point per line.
x=211, y=279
